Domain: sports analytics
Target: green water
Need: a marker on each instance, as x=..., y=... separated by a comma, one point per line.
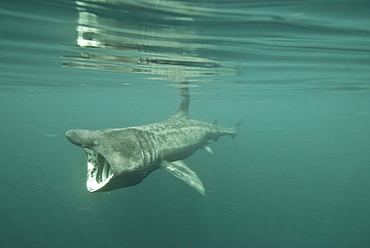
x=296, y=72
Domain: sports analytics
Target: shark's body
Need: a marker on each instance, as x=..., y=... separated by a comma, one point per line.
x=123, y=157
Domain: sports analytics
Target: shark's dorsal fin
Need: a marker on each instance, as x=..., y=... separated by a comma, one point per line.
x=182, y=110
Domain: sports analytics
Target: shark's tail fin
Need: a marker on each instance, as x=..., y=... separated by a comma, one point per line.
x=236, y=128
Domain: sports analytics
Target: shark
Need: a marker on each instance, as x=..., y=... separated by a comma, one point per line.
x=123, y=157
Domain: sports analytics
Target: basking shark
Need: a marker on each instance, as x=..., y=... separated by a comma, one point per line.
x=123, y=157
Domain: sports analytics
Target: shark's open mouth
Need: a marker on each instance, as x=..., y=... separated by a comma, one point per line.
x=99, y=171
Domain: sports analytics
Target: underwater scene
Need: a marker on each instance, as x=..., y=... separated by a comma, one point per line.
x=190, y=123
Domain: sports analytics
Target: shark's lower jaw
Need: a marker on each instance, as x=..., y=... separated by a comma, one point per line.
x=99, y=171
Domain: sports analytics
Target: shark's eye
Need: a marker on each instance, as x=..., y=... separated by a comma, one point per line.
x=90, y=144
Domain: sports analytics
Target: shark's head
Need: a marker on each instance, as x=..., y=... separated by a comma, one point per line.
x=114, y=158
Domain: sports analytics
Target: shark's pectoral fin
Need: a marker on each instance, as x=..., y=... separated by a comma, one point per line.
x=184, y=173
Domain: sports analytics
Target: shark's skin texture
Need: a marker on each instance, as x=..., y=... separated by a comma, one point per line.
x=123, y=157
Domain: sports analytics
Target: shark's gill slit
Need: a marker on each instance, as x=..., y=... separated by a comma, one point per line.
x=99, y=171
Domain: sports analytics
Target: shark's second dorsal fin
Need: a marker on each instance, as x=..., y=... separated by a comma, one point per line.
x=182, y=110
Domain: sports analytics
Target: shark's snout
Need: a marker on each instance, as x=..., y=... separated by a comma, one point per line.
x=74, y=137
x=82, y=138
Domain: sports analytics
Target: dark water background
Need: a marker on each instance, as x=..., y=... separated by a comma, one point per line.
x=297, y=72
